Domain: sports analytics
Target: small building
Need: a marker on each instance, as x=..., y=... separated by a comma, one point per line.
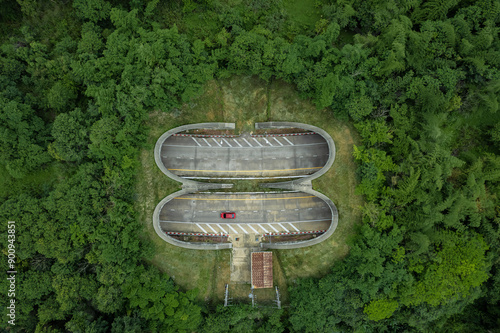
x=262, y=269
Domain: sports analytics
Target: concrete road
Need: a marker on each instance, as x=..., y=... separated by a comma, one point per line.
x=244, y=156
x=255, y=213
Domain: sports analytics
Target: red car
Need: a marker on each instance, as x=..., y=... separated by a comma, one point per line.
x=227, y=215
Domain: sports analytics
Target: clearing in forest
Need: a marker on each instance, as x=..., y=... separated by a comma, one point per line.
x=246, y=100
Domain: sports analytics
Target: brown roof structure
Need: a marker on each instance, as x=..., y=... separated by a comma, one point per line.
x=262, y=269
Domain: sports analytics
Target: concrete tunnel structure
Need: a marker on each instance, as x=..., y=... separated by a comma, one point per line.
x=196, y=153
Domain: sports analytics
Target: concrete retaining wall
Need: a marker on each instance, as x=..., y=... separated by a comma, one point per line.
x=190, y=186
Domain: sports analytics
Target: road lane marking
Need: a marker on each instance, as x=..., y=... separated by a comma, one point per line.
x=211, y=227
x=196, y=141
x=257, y=142
x=199, y=226
x=283, y=227
x=263, y=228
x=237, y=143
x=217, y=142
x=304, y=221
x=227, y=143
x=280, y=170
x=250, y=226
x=269, y=143
x=239, y=225
x=288, y=141
x=273, y=227
x=293, y=226
x=247, y=142
x=221, y=228
x=297, y=145
x=249, y=199
x=207, y=142
x=232, y=228
x=278, y=141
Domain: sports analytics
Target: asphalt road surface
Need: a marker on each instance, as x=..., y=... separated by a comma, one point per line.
x=256, y=213
x=244, y=156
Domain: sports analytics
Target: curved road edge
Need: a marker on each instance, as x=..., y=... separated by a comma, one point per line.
x=323, y=133
x=173, y=241
x=314, y=241
x=159, y=144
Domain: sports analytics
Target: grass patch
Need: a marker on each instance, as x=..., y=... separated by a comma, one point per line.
x=246, y=100
x=338, y=184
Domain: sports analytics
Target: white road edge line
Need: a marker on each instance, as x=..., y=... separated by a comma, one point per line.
x=239, y=225
x=217, y=142
x=273, y=227
x=257, y=142
x=279, y=223
x=267, y=141
x=221, y=228
x=199, y=226
x=283, y=227
x=247, y=142
x=196, y=141
x=252, y=228
x=260, y=226
x=277, y=141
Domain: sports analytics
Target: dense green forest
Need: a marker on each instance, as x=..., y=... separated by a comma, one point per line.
x=419, y=79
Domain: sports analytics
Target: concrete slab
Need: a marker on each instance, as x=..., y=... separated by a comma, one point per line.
x=249, y=157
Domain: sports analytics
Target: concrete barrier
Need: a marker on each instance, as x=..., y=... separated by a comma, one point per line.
x=323, y=133
x=167, y=134
x=176, y=242
x=319, y=239
x=190, y=186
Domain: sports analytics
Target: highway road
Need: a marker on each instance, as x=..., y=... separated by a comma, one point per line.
x=256, y=213
x=244, y=156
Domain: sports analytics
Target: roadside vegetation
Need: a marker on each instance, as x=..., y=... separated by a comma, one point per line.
x=409, y=94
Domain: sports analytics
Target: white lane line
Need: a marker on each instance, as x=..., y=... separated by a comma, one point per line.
x=232, y=229
x=283, y=227
x=279, y=223
x=293, y=227
x=196, y=141
x=277, y=141
x=248, y=143
x=257, y=142
x=288, y=141
x=211, y=228
x=239, y=225
x=207, y=142
x=269, y=143
x=221, y=228
x=273, y=227
x=252, y=228
x=227, y=142
x=199, y=226
x=298, y=145
x=217, y=142
x=260, y=226
x=237, y=143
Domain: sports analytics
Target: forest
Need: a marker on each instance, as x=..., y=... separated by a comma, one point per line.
x=418, y=79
